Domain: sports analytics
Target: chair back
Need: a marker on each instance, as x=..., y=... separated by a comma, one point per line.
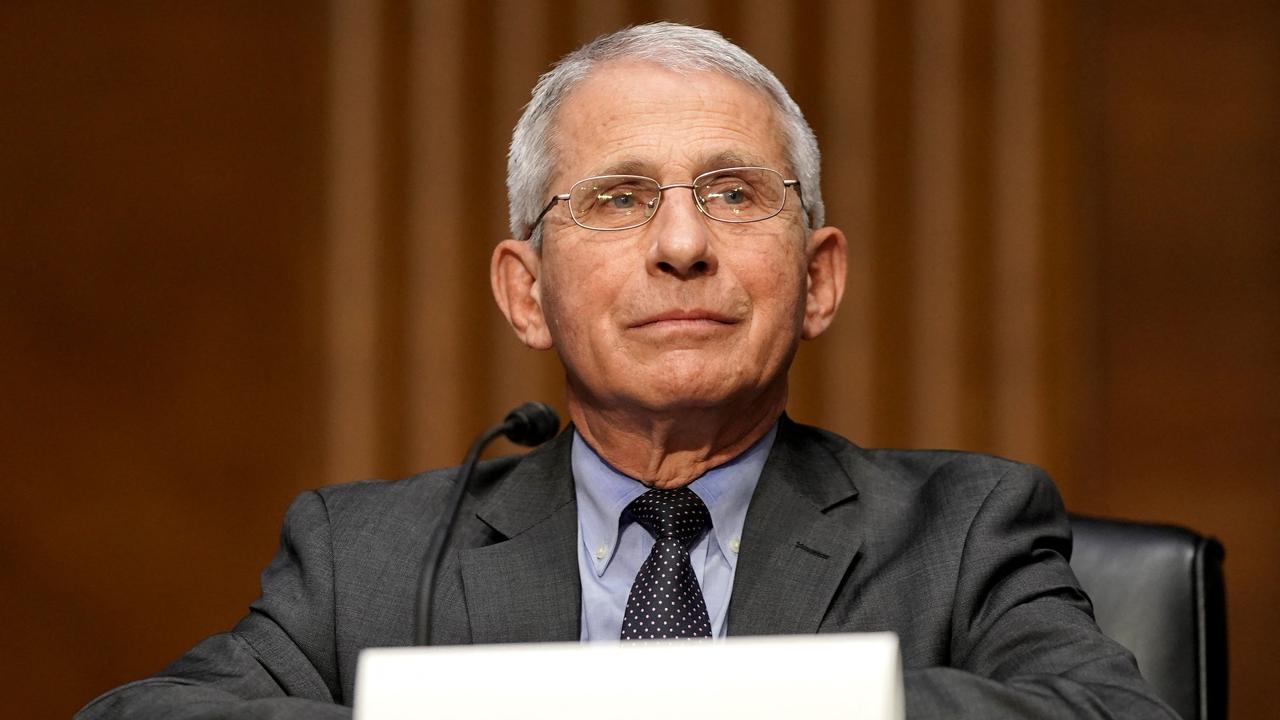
x=1158, y=590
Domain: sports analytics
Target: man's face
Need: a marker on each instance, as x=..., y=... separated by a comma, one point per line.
x=683, y=312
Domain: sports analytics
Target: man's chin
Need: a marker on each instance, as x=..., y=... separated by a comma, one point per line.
x=675, y=395
x=669, y=398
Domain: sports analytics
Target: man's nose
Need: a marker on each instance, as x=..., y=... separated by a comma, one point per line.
x=680, y=238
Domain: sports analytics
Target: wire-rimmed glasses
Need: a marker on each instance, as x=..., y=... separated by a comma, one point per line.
x=623, y=202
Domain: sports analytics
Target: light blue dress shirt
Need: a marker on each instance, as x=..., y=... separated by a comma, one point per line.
x=610, y=554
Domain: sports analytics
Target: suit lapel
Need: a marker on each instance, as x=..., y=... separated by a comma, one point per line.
x=799, y=539
x=527, y=588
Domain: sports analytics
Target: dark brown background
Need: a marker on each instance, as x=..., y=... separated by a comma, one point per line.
x=243, y=252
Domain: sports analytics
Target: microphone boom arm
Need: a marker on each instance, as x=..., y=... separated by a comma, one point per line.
x=530, y=424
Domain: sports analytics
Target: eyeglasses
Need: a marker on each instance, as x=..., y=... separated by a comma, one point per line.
x=623, y=202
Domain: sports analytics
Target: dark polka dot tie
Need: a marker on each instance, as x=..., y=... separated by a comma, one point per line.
x=665, y=599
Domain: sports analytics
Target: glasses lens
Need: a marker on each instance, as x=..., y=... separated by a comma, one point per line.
x=613, y=202
x=741, y=194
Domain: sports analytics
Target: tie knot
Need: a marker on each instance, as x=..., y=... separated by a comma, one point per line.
x=671, y=514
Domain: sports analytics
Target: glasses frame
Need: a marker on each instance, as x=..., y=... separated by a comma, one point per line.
x=692, y=186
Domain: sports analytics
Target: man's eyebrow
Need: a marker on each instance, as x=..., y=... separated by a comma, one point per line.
x=716, y=161
x=729, y=159
x=626, y=166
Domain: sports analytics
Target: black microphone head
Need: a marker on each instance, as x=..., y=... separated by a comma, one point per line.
x=533, y=423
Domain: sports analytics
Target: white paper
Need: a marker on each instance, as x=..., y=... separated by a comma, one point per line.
x=815, y=677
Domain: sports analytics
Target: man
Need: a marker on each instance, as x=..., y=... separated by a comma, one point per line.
x=668, y=244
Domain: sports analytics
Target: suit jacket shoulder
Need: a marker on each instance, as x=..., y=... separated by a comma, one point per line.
x=377, y=532
x=963, y=555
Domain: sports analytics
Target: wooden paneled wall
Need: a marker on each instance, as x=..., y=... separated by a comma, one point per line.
x=244, y=251
x=162, y=227
x=1187, y=208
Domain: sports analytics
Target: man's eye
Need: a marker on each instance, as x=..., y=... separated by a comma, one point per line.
x=619, y=201
x=731, y=195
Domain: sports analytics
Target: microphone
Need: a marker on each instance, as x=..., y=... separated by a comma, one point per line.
x=533, y=423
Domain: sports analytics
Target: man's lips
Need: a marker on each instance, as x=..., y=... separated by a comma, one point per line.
x=684, y=317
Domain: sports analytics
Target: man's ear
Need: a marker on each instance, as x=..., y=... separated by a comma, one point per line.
x=827, y=267
x=514, y=272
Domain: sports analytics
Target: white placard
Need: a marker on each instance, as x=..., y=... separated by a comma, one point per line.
x=815, y=677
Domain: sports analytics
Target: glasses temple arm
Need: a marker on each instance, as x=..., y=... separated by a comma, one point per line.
x=534, y=225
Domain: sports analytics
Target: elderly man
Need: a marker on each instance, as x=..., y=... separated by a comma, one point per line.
x=669, y=246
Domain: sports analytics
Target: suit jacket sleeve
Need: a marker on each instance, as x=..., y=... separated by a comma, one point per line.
x=1024, y=643
x=278, y=662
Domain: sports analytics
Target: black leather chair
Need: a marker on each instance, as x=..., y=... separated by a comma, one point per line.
x=1157, y=590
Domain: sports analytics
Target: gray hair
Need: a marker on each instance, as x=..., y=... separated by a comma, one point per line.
x=679, y=48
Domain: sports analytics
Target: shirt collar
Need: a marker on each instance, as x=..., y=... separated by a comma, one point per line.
x=603, y=493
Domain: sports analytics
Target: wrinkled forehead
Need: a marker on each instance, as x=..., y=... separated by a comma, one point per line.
x=639, y=118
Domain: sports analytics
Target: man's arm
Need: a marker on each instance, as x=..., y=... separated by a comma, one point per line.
x=1024, y=643
x=278, y=662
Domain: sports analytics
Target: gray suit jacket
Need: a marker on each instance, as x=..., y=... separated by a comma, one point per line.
x=964, y=556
